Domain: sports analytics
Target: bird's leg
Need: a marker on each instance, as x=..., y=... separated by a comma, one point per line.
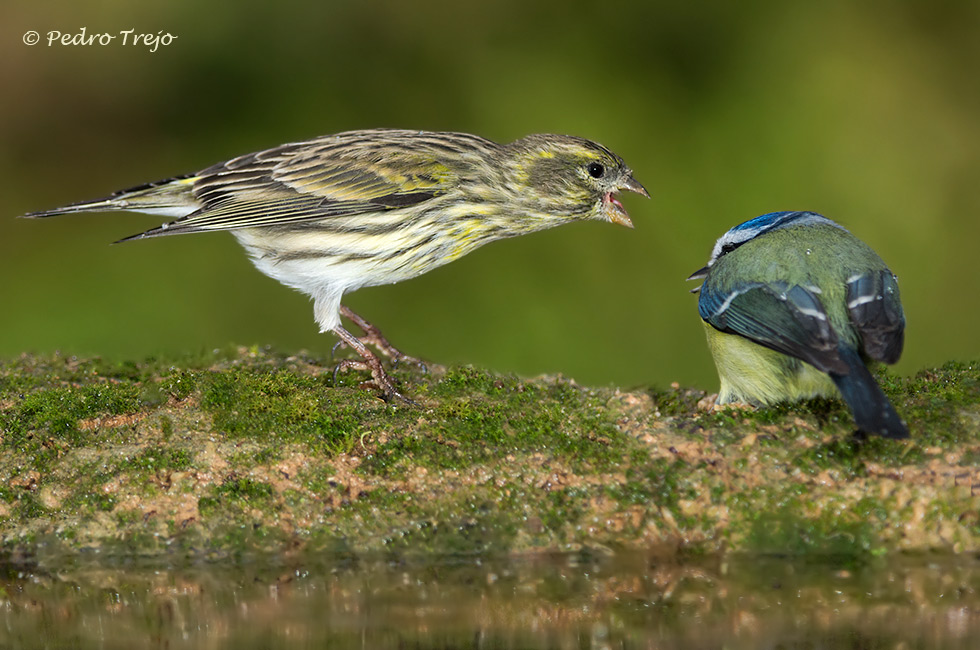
x=373, y=336
x=369, y=361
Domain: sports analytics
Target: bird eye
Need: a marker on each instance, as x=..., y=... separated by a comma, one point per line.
x=596, y=170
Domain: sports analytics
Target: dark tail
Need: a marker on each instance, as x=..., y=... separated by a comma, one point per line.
x=872, y=411
x=99, y=205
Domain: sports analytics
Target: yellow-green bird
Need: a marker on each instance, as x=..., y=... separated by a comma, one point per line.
x=794, y=306
x=336, y=213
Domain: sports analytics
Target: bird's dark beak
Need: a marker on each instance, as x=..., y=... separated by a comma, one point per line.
x=700, y=274
x=633, y=185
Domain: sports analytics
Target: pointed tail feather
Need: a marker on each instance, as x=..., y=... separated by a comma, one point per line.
x=101, y=205
x=172, y=197
x=872, y=411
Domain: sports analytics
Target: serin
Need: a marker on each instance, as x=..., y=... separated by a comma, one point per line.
x=362, y=208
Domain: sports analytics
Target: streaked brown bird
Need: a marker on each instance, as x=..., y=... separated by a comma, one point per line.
x=361, y=208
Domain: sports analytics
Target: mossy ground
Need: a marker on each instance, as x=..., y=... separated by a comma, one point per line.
x=248, y=451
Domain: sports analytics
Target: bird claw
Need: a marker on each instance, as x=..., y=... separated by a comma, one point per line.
x=412, y=361
x=385, y=348
x=380, y=380
x=372, y=336
x=333, y=352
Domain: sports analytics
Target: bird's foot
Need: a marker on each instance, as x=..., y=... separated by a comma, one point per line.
x=380, y=380
x=373, y=337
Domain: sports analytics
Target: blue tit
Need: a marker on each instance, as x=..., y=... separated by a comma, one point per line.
x=794, y=306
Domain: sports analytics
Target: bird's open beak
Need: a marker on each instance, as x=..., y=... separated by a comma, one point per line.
x=615, y=210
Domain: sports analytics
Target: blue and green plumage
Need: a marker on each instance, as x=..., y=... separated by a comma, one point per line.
x=794, y=306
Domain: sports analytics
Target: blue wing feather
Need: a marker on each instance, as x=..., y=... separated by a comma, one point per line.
x=787, y=319
x=875, y=308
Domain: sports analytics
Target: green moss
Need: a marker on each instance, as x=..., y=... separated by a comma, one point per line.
x=320, y=480
x=179, y=384
x=29, y=507
x=970, y=458
x=87, y=487
x=561, y=507
x=245, y=489
x=655, y=481
x=166, y=427
x=676, y=402
x=461, y=380
x=482, y=417
x=485, y=463
x=844, y=455
x=95, y=500
x=56, y=412
x=256, y=457
x=208, y=506
x=462, y=523
x=788, y=530
x=935, y=400
x=280, y=406
x=160, y=459
x=127, y=518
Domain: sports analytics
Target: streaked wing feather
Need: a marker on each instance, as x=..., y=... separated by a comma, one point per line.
x=356, y=175
x=289, y=184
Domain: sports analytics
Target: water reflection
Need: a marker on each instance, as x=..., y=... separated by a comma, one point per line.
x=626, y=600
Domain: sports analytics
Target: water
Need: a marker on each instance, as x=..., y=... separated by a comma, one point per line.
x=622, y=601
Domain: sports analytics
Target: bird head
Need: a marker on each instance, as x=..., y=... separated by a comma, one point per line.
x=567, y=178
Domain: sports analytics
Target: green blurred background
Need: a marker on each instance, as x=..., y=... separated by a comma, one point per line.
x=867, y=112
